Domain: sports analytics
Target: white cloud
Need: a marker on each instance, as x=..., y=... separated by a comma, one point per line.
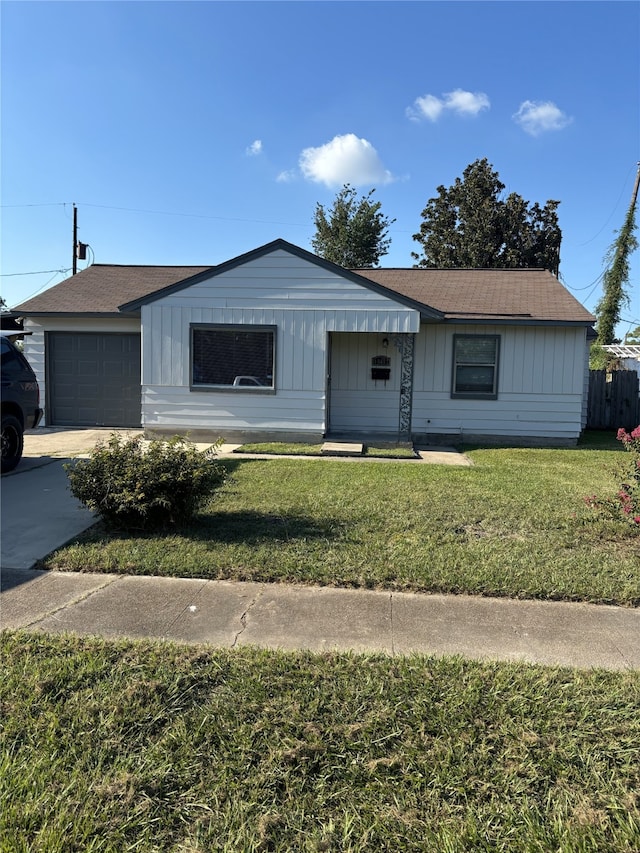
x=466, y=103
x=536, y=117
x=428, y=106
x=255, y=148
x=460, y=102
x=286, y=177
x=344, y=160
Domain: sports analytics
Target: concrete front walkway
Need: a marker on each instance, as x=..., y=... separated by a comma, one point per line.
x=43, y=444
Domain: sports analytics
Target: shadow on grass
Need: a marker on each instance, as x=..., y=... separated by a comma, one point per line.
x=245, y=527
x=589, y=440
x=597, y=439
x=255, y=527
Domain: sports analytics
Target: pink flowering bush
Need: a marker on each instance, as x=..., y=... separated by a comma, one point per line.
x=626, y=503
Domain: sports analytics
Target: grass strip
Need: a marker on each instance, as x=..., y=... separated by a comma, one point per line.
x=123, y=746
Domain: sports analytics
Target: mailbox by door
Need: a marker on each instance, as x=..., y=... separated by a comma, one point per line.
x=380, y=368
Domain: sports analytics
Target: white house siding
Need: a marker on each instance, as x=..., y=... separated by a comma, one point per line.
x=540, y=384
x=34, y=344
x=305, y=303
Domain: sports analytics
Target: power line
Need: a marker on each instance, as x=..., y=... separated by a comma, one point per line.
x=44, y=204
x=162, y=213
x=193, y=215
x=587, y=286
x=36, y=272
x=615, y=207
x=46, y=284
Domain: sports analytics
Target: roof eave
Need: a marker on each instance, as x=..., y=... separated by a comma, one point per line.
x=74, y=314
x=514, y=320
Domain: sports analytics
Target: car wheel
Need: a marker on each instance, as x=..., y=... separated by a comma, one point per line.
x=12, y=442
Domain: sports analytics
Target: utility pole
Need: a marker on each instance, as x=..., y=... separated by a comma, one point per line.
x=634, y=197
x=79, y=249
x=617, y=275
x=74, y=262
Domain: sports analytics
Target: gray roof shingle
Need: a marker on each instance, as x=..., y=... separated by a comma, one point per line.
x=459, y=294
x=534, y=294
x=102, y=288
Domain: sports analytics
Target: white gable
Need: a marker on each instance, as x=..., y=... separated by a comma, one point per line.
x=280, y=280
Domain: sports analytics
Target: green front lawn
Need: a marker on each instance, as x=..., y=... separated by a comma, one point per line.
x=149, y=747
x=513, y=524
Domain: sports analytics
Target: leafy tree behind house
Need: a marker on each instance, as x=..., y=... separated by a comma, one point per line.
x=353, y=233
x=632, y=336
x=471, y=225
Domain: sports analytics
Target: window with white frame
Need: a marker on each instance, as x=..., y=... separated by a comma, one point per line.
x=475, y=366
x=232, y=356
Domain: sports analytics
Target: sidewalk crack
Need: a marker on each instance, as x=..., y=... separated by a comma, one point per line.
x=243, y=621
x=393, y=639
x=628, y=664
x=193, y=597
x=78, y=599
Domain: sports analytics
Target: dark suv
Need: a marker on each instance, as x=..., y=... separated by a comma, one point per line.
x=20, y=402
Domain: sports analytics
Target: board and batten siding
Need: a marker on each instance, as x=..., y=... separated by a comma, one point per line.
x=304, y=301
x=34, y=343
x=540, y=384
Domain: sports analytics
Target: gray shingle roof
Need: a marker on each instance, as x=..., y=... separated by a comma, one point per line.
x=102, y=288
x=485, y=294
x=459, y=294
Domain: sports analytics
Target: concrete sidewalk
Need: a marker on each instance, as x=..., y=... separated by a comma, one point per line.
x=39, y=514
x=230, y=614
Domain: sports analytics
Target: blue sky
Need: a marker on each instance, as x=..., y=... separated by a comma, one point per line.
x=191, y=132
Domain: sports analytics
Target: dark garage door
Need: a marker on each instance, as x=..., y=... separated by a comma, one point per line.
x=93, y=379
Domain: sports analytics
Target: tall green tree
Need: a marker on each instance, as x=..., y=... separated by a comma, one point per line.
x=471, y=225
x=353, y=233
x=633, y=336
x=616, y=276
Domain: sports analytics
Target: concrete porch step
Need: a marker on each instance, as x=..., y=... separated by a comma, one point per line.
x=342, y=448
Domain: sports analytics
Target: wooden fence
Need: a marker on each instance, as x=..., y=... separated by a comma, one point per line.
x=613, y=400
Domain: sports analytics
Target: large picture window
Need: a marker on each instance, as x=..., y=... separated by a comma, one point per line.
x=227, y=356
x=475, y=366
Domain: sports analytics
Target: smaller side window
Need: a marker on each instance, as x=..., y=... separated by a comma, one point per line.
x=475, y=366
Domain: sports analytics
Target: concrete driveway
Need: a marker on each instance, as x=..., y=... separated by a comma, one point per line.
x=44, y=444
x=39, y=512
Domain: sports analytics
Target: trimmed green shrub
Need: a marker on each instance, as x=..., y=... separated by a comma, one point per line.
x=136, y=485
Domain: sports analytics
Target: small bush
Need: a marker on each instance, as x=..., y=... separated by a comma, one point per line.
x=626, y=504
x=142, y=486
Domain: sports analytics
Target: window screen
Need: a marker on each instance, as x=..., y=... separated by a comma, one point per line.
x=475, y=366
x=233, y=356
